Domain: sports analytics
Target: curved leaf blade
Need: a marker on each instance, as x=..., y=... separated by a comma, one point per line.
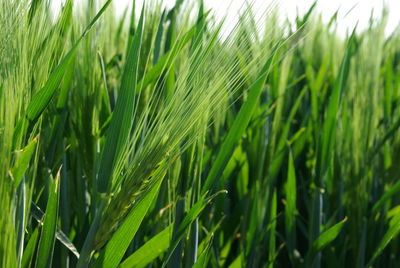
x=48, y=235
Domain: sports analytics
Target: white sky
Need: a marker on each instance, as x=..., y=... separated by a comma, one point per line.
x=360, y=9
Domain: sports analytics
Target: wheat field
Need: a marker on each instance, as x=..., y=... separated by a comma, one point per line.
x=160, y=138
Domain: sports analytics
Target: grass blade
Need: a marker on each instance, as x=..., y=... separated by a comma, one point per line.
x=290, y=207
x=38, y=214
x=30, y=249
x=202, y=260
x=22, y=163
x=329, y=127
x=392, y=232
x=114, y=251
x=42, y=98
x=386, y=196
x=48, y=235
x=122, y=118
x=239, y=125
x=150, y=250
x=326, y=237
x=190, y=217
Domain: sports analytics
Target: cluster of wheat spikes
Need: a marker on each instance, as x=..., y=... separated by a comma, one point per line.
x=164, y=139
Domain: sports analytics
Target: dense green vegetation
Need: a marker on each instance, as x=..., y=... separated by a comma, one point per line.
x=158, y=138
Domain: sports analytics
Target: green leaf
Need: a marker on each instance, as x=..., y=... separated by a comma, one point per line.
x=123, y=115
x=272, y=230
x=35, y=4
x=392, y=232
x=386, y=196
x=326, y=237
x=20, y=219
x=22, y=163
x=290, y=206
x=48, y=235
x=200, y=28
x=158, y=40
x=329, y=127
x=166, y=60
x=193, y=213
x=30, y=249
x=202, y=260
x=238, y=262
x=389, y=133
x=239, y=125
x=114, y=251
x=278, y=158
x=19, y=132
x=150, y=250
x=43, y=97
x=38, y=214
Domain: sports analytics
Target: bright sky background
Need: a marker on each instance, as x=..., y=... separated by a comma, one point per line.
x=360, y=9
